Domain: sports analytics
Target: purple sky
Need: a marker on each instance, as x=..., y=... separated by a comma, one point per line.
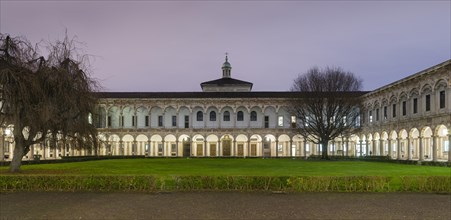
x=174, y=46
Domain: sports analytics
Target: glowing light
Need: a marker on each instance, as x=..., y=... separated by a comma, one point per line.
x=7, y=131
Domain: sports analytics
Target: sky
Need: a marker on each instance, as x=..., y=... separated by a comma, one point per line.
x=173, y=46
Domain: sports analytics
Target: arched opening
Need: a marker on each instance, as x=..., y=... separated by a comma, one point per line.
x=255, y=145
x=143, y=146
x=212, y=145
x=226, y=144
x=442, y=142
x=199, y=148
x=185, y=140
x=156, y=145
x=268, y=149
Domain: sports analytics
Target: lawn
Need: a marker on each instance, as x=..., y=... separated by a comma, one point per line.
x=231, y=167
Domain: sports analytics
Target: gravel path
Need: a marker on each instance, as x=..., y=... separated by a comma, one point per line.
x=224, y=205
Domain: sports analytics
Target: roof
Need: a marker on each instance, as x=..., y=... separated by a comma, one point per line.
x=445, y=64
x=226, y=81
x=168, y=95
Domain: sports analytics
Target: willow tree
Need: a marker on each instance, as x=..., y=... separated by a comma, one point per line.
x=45, y=99
x=329, y=106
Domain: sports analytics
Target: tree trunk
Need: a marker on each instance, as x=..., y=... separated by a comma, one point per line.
x=324, y=154
x=14, y=166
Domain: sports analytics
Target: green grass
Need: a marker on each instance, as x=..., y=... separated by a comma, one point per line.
x=162, y=167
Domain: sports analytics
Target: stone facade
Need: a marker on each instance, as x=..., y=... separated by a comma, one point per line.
x=258, y=124
x=410, y=118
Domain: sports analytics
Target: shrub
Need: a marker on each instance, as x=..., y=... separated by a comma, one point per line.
x=224, y=183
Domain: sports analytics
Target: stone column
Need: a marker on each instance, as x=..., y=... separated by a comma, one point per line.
x=121, y=148
x=347, y=146
x=361, y=147
x=135, y=148
x=248, y=147
x=381, y=147
x=291, y=148
x=177, y=147
x=367, y=147
x=398, y=147
x=233, y=153
x=149, y=149
x=449, y=146
x=277, y=148
x=219, y=153
x=421, y=148
x=409, y=148
x=44, y=156
x=205, y=147
x=374, y=147
x=434, y=148
x=305, y=149
x=31, y=152
x=332, y=148
x=389, y=149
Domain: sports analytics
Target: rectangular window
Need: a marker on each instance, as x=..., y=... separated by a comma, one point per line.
x=133, y=120
x=122, y=121
x=186, y=121
x=415, y=105
x=293, y=121
x=109, y=121
x=428, y=102
x=280, y=121
x=385, y=112
x=160, y=121
x=266, y=121
x=442, y=99
x=240, y=116
x=370, y=116
x=377, y=114
x=226, y=116
x=146, y=121
x=404, y=108
x=394, y=111
x=174, y=121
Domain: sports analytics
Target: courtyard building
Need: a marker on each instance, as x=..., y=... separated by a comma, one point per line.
x=405, y=120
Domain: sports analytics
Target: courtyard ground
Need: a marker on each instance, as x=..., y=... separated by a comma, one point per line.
x=224, y=205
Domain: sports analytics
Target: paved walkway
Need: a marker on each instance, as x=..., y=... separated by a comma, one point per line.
x=224, y=205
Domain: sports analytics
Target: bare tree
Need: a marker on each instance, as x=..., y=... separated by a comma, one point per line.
x=45, y=99
x=329, y=106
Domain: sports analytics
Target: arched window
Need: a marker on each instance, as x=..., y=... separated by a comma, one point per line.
x=200, y=116
x=226, y=116
x=212, y=116
x=253, y=116
x=240, y=116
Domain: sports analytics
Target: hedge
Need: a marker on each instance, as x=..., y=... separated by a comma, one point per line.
x=11, y=183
